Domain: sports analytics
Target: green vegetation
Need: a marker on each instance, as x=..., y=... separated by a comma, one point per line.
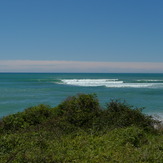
x=79, y=130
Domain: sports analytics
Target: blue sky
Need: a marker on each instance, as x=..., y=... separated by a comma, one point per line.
x=82, y=31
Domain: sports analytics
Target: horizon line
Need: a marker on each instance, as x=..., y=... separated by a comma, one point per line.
x=55, y=66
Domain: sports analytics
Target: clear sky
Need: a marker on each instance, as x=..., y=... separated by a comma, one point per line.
x=113, y=31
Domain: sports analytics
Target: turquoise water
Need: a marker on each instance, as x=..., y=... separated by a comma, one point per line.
x=21, y=90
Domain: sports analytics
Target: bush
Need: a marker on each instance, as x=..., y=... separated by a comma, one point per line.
x=133, y=135
x=80, y=110
x=31, y=116
x=79, y=131
x=119, y=114
x=38, y=114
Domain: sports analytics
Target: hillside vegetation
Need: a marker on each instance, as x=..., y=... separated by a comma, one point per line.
x=79, y=130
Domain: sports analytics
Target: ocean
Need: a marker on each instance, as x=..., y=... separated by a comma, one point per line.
x=19, y=91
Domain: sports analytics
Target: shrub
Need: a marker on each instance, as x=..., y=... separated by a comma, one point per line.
x=117, y=133
x=38, y=114
x=120, y=114
x=133, y=135
x=14, y=122
x=80, y=110
x=31, y=116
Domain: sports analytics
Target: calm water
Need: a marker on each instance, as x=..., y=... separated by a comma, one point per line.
x=21, y=90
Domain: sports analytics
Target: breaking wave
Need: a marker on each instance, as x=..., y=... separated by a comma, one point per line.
x=91, y=82
x=110, y=83
x=149, y=80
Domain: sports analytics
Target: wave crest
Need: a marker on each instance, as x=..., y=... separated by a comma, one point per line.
x=110, y=83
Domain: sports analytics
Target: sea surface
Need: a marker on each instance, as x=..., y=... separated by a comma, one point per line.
x=22, y=90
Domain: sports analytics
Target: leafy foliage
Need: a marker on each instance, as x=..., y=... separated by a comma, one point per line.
x=31, y=116
x=120, y=114
x=78, y=130
x=80, y=110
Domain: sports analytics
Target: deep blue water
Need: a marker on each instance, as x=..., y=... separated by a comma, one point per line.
x=21, y=90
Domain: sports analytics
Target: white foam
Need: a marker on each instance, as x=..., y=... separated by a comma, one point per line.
x=91, y=82
x=110, y=83
x=158, y=116
x=135, y=85
x=150, y=80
